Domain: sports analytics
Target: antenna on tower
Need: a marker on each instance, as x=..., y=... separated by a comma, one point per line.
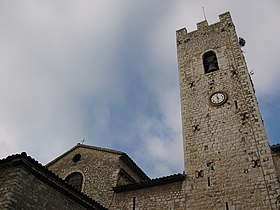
x=203, y=13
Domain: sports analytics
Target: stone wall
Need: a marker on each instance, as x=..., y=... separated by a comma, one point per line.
x=8, y=182
x=162, y=197
x=19, y=189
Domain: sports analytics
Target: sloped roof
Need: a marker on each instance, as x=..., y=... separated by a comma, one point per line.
x=50, y=178
x=151, y=183
x=123, y=156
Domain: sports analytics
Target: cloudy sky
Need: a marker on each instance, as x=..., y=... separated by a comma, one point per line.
x=106, y=71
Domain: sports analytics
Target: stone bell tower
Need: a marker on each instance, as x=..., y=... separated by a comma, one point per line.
x=228, y=160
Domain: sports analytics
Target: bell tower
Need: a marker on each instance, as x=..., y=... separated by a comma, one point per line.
x=227, y=158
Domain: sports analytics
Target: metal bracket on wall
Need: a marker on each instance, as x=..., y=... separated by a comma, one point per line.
x=195, y=128
x=199, y=173
x=191, y=84
x=256, y=163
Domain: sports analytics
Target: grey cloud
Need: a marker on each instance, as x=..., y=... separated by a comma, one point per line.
x=65, y=66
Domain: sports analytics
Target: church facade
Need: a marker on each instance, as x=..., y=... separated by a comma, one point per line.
x=229, y=164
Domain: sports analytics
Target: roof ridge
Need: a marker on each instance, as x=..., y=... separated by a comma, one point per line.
x=100, y=148
x=84, y=146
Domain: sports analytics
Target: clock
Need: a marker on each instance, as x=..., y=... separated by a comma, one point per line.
x=218, y=98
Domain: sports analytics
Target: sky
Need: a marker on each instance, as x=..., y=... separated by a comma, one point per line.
x=106, y=71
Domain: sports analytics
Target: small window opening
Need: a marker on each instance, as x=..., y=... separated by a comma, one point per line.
x=76, y=158
x=209, y=182
x=210, y=62
x=236, y=104
x=75, y=180
x=227, y=207
x=134, y=203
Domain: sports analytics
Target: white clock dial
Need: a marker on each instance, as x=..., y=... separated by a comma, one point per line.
x=218, y=98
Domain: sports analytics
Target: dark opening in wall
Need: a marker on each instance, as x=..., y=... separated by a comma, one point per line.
x=76, y=158
x=236, y=104
x=209, y=182
x=134, y=203
x=227, y=207
x=210, y=62
x=75, y=180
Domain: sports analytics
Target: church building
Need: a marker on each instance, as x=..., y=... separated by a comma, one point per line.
x=228, y=162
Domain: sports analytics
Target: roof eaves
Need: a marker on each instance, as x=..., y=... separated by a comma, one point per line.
x=49, y=177
x=127, y=160
x=151, y=183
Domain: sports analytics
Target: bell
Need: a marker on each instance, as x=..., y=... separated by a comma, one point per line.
x=211, y=59
x=212, y=67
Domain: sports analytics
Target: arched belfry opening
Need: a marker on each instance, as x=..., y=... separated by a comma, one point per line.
x=75, y=180
x=210, y=62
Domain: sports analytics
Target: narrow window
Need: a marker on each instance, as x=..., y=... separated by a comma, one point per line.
x=227, y=208
x=210, y=62
x=209, y=182
x=134, y=203
x=236, y=104
x=75, y=180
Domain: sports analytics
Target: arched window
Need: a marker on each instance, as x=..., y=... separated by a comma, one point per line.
x=210, y=62
x=75, y=180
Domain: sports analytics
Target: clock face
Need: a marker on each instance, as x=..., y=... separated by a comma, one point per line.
x=218, y=98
